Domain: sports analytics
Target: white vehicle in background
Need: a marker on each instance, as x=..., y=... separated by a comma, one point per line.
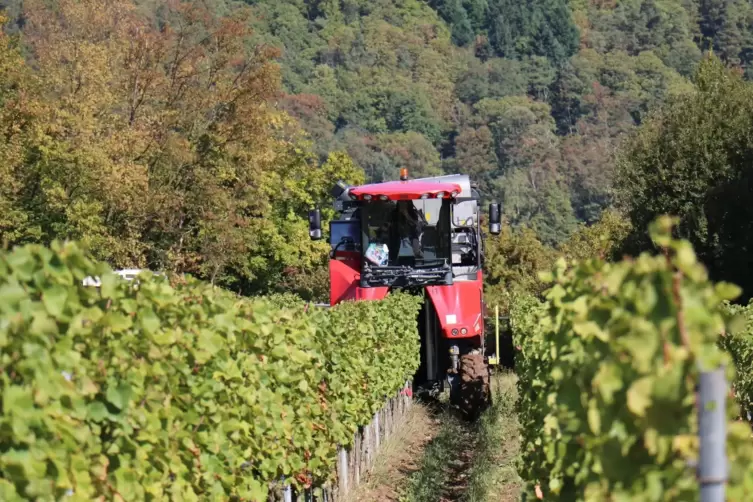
x=129, y=274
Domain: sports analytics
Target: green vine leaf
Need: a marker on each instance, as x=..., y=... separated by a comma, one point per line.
x=183, y=391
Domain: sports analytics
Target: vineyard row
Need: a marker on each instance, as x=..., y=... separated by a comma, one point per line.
x=181, y=391
x=608, y=373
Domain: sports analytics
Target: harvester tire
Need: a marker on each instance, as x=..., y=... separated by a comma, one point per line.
x=474, y=392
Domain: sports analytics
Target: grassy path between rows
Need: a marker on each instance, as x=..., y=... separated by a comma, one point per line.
x=493, y=476
x=437, y=457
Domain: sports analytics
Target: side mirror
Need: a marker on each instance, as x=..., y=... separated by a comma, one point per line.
x=495, y=225
x=315, y=224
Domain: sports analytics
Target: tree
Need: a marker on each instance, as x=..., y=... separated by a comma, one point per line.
x=162, y=147
x=693, y=160
x=539, y=27
x=539, y=201
x=601, y=240
x=529, y=98
x=495, y=78
x=523, y=130
x=588, y=153
x=513, y=261
x=554, y=219
x=474, y=155
x=478, y=12
x=725, y=27
x=311, y=112
x=473, y=84
x=410, y=150
x=19, y=116
x=453, y=12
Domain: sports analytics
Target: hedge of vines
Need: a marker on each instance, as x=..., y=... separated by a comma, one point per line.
x=738, y=342
x=607, y=376
x=160, y=391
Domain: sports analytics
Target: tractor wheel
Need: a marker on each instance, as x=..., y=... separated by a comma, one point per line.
x=474, y=391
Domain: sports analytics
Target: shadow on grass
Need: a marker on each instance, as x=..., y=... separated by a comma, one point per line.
x=445, y=459
x=493, y=476
x=469, y=461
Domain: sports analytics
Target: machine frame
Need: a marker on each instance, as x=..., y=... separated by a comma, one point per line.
x=451, y=322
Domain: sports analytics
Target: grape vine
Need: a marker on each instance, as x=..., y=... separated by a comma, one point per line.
x=738, y=342
x=607, y=374
x=179, y=390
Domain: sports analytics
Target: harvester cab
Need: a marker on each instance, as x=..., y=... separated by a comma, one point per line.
x=423, y=236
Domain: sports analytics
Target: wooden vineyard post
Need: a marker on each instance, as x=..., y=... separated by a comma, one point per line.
x=342, y=471
x=360, y=458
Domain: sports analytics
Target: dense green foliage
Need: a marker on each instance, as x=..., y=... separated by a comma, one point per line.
x=161, y=147
x=738, y=342
x=514, y=259
x=608, y=369
x=180, y=391
x=514, y=29
x=530, y=98
x=194, y=136
x=694, y=160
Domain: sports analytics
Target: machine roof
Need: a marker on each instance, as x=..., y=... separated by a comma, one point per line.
x=460, y=179
x=406, y=190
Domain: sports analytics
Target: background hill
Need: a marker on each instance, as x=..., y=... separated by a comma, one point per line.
x=107, y=145
x=530, y=98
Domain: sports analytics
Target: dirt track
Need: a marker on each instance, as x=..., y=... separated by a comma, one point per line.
x=439, y=457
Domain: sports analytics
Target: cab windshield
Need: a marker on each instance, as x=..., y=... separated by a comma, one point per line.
x=406, y=233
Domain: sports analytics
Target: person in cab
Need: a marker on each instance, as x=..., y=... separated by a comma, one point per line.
x=407, y=225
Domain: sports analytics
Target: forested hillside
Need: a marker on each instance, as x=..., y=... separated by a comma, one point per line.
x=149, y=134
x=530, y=98
x=192, y=136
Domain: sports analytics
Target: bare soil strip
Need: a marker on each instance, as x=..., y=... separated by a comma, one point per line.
x=493, y=475
x=438, y=457
x=399, y=457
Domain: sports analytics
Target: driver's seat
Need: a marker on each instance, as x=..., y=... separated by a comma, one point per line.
x=462, y=246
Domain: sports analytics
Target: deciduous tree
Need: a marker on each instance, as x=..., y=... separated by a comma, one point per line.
x=161, y=146
x=693, y=160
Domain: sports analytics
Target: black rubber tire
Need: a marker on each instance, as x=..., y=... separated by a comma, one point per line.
x=474, y=394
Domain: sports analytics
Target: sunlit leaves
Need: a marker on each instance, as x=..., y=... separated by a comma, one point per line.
x=609, y=362
x=692, y=159
x=738, y=341
x=181, y=390
x=157, y=142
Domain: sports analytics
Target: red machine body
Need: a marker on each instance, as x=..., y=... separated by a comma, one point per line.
x=422, y=236
x=406, y=190
x=459, y=306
